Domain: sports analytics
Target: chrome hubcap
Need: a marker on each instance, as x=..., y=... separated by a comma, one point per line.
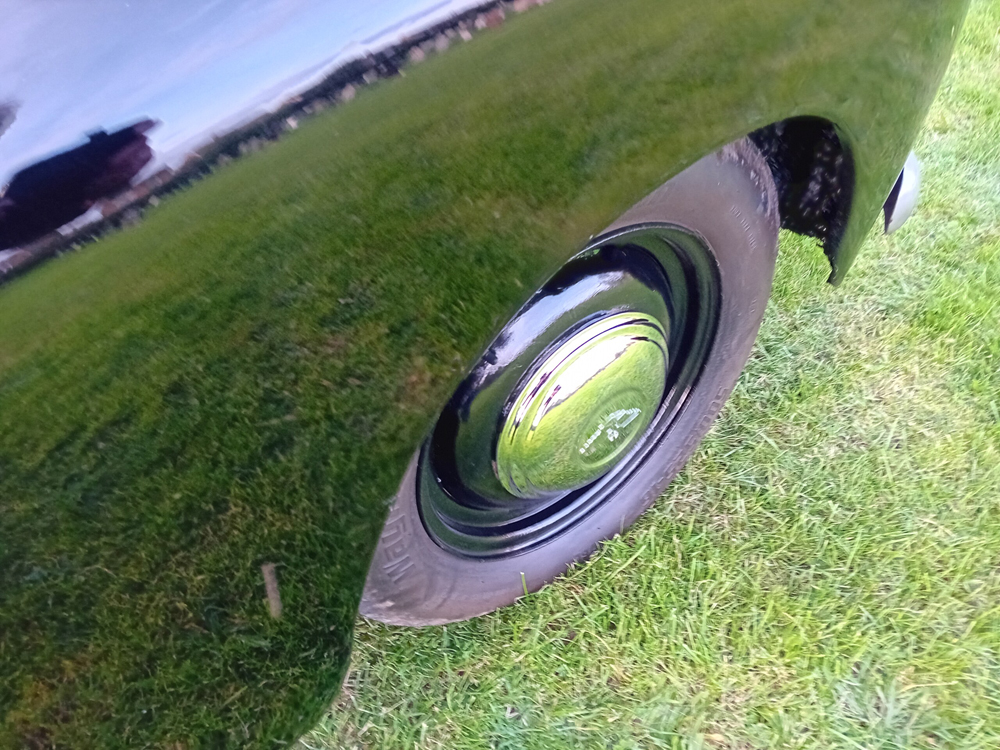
x=583, y=407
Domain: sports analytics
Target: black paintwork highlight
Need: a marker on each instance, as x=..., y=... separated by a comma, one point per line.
x=434, y=205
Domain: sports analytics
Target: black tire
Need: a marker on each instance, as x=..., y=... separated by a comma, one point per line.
x=729, y=200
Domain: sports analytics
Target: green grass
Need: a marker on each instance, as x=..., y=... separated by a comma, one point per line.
x=826, y=571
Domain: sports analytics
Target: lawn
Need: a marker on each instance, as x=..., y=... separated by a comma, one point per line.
x=826, y=571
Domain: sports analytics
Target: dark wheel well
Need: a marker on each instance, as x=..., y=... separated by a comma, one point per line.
x=814, y=173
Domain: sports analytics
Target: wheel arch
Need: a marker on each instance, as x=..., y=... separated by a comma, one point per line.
x=813, y=169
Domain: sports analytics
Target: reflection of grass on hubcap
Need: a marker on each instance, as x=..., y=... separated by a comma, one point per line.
x=583, y=407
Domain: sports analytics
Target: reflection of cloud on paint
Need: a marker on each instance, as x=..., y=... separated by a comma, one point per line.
x=97, y=84
x=188, y=21
x=193, y=64
x=21, y=28
x=227, y=40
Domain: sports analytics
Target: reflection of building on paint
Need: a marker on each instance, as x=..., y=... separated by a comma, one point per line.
x=112, y=202
x=140, y=192
x=52, y=192
x=190, y=162
x=519, y=6
x=10, y=260
x=14, y=261
x=315, y=107
x=347, y=93
x=491, y=18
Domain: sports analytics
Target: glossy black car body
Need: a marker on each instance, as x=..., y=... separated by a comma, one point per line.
x=134, y=527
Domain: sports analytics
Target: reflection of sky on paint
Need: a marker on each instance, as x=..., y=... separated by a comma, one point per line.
x=80, y=65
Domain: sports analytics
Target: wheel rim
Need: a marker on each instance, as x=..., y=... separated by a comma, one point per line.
x=625, y=328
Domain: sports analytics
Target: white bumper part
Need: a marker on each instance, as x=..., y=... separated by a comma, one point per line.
x=903, y=198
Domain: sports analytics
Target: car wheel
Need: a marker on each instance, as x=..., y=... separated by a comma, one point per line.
x=588, y=402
